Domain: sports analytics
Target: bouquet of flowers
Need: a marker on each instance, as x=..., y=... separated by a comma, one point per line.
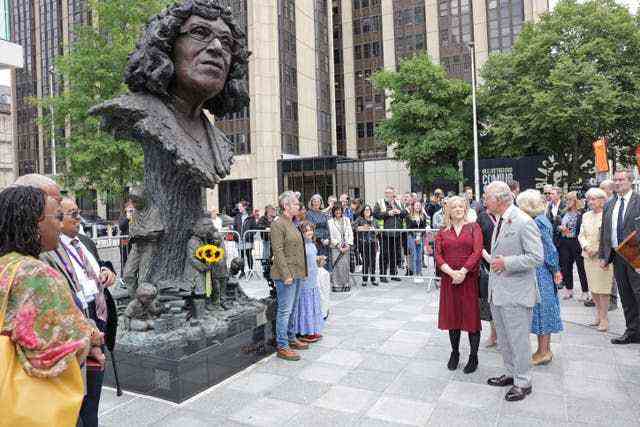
x=210, y=255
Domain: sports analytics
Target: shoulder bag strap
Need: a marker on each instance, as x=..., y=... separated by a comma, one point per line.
x=5, y=302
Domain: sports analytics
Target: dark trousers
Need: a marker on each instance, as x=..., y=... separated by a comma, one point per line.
x=629, y=289
x=570, y=252
x=390, y=252
x=368, y=250
x=91, y=401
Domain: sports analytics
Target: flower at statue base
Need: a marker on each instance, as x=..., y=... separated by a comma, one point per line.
x=209, y=254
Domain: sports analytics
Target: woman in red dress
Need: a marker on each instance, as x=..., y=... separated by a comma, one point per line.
x=458, y=253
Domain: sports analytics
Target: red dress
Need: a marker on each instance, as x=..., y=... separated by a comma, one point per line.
x=459, y=304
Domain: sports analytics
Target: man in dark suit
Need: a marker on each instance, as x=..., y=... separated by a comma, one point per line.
x=77, y=259
x=621, y=217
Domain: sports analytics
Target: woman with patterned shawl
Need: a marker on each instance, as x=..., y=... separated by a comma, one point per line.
x=42, y=318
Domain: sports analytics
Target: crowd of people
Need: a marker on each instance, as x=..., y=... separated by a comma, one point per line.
x=508, y=259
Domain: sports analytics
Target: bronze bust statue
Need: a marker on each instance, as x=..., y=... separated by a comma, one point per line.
x=191, y=57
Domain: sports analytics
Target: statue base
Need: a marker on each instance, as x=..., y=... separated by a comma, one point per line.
x=181, y=358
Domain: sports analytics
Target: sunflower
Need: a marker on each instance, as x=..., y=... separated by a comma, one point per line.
x=209, y=254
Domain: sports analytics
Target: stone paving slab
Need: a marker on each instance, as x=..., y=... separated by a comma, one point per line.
x=382, y=362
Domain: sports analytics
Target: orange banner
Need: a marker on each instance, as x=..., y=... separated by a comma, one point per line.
x=600, y=151
x=638, y=156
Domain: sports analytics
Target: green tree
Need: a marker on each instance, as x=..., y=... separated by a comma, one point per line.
x=92, y=72
x=570, y=79
x=431, y=118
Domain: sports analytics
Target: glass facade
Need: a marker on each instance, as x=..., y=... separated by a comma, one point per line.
x=288, y=76
x=326, y=176
x=323, y=77
x=455, y=22
x=237, y=125
x=26, y=138
x=410, y=29
x=338, y=78
x=5, y=20
x=505, y=20
x=41, y=45
x=368, y=58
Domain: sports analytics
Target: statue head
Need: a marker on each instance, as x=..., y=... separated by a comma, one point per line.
x=204, y=228
x=146, y=293
x=193, y=47
x=236, y=265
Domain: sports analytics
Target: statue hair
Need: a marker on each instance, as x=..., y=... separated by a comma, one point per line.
x=151, y=69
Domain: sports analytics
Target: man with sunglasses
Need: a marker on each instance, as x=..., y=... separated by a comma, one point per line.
x=77, y=259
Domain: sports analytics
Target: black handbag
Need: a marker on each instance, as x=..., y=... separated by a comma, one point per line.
x=483, y=282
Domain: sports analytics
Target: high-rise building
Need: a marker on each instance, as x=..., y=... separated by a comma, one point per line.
x=309, y=82
x=45, y=30
x=374, y=34
x=10, y=59
x=7, y=174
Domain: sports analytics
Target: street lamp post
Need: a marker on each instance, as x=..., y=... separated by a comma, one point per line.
x=53, y=126
x=476, y=161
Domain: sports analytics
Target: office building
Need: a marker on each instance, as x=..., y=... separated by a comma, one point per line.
x=11, y=58
x=7, y=173
x=309, y=72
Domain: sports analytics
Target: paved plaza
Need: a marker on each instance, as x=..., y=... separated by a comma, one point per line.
x=382, y=362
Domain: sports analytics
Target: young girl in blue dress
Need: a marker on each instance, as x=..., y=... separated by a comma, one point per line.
x=307, y=312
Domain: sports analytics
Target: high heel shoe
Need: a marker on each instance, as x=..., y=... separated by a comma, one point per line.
x=594, y=323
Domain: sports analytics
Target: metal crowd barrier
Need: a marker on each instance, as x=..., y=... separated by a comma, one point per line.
x=395, y=253
x=260, y=252
x=370, y=249
x=114, y=249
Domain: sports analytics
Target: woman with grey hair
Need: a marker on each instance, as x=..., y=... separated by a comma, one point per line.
x=288, y=269
x=316, y=216
x=546, y=312
x=589, y=238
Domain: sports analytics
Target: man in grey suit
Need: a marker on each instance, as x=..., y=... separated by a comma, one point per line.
x=620, y=218
x=516, y=250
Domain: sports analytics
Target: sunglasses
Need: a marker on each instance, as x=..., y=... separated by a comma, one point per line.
x=73, y=214
x=59, y=216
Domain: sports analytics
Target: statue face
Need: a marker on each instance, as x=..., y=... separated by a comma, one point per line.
x=202, y=57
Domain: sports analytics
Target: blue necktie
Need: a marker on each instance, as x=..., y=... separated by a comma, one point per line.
x=619, y=231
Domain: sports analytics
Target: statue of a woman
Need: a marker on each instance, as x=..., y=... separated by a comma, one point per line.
x=191, y=57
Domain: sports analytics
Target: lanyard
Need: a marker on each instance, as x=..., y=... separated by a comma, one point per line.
x=69, y=271
x=72, y=255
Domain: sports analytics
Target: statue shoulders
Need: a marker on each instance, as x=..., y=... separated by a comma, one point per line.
x=132, y=116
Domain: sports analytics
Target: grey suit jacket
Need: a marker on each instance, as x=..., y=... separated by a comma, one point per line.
x=631, y=223
x=520, y=244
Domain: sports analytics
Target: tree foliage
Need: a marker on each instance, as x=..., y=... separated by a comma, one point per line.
x=570, y=79
x=92, y=72
x=431, y=118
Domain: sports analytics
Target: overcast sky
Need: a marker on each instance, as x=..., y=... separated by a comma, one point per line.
x=633, y=5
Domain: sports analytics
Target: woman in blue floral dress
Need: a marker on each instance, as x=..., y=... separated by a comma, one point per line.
x=307, y=311
x=546, y=313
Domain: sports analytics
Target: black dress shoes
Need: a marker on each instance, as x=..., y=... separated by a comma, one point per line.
x=516, y=393
x=396, y=279
x=502, y=381
x=384, y=280
x=626, y=338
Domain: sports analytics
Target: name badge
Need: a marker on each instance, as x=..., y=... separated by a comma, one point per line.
x=82, y=299
x=89, y=286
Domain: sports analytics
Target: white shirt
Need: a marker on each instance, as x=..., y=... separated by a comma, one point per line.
x=555, y=207
x=89, y=286
x=217, y=222
x=614, y=217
